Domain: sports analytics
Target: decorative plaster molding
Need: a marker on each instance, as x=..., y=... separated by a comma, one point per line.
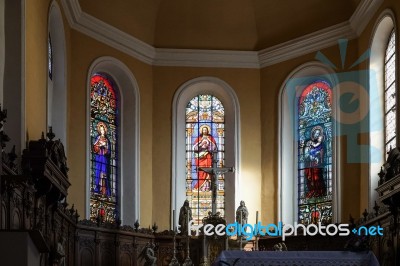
x=106, y=33
x=363, y=14
x=206, y=58
x=146, y=53
x=306, y=44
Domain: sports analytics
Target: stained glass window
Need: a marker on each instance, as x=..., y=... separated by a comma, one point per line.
x=104, y=148
x=50, y=57
x=315, y=154
x=390, y=93
x=205, y=133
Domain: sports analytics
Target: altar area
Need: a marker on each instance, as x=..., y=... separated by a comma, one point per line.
x=290, y=258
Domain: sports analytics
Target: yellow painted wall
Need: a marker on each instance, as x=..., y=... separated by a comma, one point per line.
x=36, y=66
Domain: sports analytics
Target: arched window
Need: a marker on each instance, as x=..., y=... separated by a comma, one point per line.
x=382, y=97
x=57, y=73
x=308, y=150
x=315, y=154
x=205, y=131
x=104, y=151
x=113, y=164
x=390, y=93
x=205, y=104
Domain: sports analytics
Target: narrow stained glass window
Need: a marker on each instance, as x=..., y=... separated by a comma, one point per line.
x=390, y=94
x=104, y=145
x=205, y=133
x=315, y=154
x=50, y=57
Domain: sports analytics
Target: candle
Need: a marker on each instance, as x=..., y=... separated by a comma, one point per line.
x=173, y=220
x=256, y=248
x=241, y=223
x=256, y=217
x=187, y=223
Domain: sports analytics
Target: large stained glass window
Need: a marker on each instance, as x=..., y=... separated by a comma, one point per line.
x=315, y=154
x=104, y=145
x=205, y=134
x=390, y=93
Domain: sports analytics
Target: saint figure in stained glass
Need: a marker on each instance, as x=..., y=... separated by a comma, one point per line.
x=314, y=150
x=101, y=161
x=203, y=147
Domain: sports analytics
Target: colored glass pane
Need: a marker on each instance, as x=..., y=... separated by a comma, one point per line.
x=104, y=144
x=205, y=134
x=50, y=57
x=315, y=154
x=390, y=94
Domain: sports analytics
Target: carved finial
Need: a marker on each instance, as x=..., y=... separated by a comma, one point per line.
x=365, y=214
x=376, y=209
x=154, y=227
x=76, y=216
x=118, y=222
x=42, y=137
x=136, y=225
x=12, y=155
x=351, y=219
x=72, y=210
x=3, y=116
x=65, y=205
x=50, y=135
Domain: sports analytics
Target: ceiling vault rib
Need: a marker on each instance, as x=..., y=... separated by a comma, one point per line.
x=107, y=34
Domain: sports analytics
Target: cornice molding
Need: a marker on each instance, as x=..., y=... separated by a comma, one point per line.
x=146, y=53
x=106, y=33
x=206, y=58
x=306, y=44
x=363, y=14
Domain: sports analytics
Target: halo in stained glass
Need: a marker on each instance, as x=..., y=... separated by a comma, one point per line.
x=315, y=154
x=205, y=138
x=104, y=144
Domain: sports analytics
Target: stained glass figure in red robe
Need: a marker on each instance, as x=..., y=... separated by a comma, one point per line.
x=203, y=147
x=314, y=150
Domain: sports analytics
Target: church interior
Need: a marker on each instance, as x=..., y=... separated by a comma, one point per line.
x=114, y=113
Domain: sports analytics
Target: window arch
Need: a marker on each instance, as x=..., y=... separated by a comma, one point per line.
x=205, y=135
x=223, y=93
x=382, y=69
x=104, y=158
x=306, y=108
x=127, y=149
x=57, y=72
